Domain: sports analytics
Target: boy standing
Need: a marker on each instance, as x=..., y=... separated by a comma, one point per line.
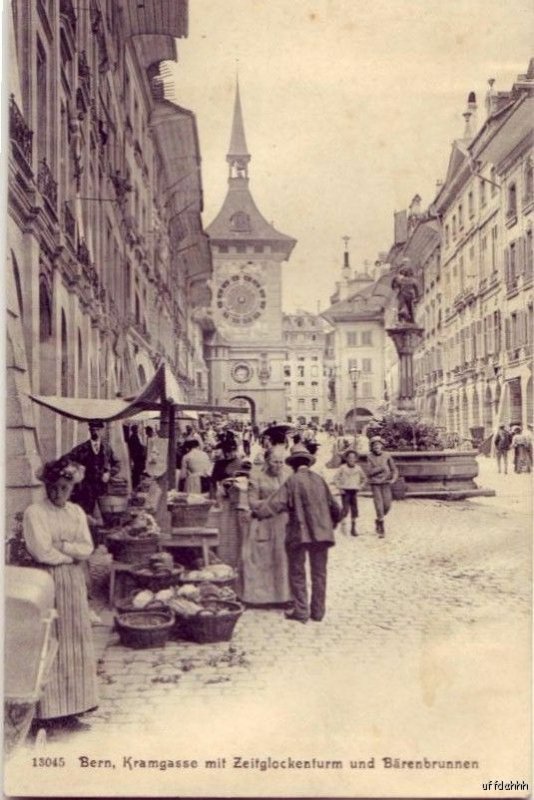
x=381, y=473
x=349, y=479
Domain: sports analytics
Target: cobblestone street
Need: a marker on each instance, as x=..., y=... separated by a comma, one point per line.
x=434, y=618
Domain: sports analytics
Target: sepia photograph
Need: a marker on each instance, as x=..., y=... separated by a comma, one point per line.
x=269, y=407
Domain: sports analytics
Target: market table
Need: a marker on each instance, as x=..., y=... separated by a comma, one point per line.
x=202, y=537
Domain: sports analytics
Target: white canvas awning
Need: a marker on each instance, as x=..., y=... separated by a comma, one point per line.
x=160, y=392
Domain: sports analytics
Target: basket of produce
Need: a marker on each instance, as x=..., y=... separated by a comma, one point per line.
x=160, y=573
x=220, y=574
x=144, y=599
x=132, y=549
x=208, y=622
x=189, y=510
x=146, y=628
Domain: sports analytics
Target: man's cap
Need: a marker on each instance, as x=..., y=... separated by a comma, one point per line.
x=96, y=423
x=376, y=439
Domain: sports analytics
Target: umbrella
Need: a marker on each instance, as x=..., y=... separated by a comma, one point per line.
x=277, y=433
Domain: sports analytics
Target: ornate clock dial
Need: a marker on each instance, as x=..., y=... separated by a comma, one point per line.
x=242, y=373
x=241, y=299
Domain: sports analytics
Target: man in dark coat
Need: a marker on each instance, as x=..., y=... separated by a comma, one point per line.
x=313, y=514
x=100, y=465
x=137, y=451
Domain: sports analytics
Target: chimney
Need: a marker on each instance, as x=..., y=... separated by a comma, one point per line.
x=473, y=108
x=415, y=205
x=468, y=133
x=490, y=97
x=345, y=272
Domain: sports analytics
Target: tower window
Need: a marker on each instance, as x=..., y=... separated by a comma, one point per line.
x=240, y=221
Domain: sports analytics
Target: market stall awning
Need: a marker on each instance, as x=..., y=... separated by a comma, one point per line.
x=162, y=390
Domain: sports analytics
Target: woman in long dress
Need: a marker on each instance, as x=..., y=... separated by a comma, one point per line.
x=57, y=537
x=264, y=559
x=522, y=446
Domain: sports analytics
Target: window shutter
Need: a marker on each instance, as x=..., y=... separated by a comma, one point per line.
x=506, y=266
x=507, y=334
x=520, y=251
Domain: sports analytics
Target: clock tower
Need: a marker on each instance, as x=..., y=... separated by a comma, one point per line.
x=246, y=352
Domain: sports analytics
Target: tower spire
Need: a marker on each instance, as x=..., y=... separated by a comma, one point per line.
x=238, y=156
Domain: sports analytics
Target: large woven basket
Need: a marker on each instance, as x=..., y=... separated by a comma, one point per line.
x=155, y=581
x=208, y=629
x=132, y=550
x=190, y=515
x=144, y=629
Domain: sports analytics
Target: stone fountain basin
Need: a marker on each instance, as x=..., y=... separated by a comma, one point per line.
x=440, y=474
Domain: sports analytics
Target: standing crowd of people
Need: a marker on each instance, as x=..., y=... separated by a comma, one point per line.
x=278, y=514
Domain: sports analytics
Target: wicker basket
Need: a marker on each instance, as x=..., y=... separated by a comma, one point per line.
x=208, y=629
x=190, y=515
x=132, y=550
x=146, y=578
x=143, y=629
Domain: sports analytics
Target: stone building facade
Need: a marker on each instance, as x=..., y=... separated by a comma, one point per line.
x=245, y=348
x=357, y=376
x=473, y=249
x=305, y=367
x=107, y=256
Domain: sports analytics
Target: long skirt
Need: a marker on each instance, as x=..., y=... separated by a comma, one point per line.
x=72, y=684
x=264, y=562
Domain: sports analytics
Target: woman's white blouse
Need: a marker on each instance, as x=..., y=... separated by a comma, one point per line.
x=56, y=535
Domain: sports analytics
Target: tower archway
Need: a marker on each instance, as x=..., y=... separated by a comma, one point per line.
x=241, y=400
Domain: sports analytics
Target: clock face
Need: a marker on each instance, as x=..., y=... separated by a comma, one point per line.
x=242, y=373
x=241, y=299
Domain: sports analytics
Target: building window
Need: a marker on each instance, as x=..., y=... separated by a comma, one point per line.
x=45, y=312
x=64, y=356
x=287, y=383
x=529, y=180
x=300, y=371
x=300, y=383
x=314, y=370
x=80, y=350
x=353, y=363
x=314, y=383
x=454, y=226
x=301, y=402
x=302, y=358
x=460, y=217
x=511, y=209
x=482, y=192
x=447, y=235
x=483, y=253
x=471, y=205
x=42, y=102
x=367, y=338
x=367, y=389
x=494, y=240
x=287, y=372
x=367, y=365
x=529, y=255
x=314, y=403
x=352, y=339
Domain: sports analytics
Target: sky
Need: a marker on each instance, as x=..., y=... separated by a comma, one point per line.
x=350, y=109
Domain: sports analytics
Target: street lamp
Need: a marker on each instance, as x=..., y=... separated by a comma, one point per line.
x=355, y=373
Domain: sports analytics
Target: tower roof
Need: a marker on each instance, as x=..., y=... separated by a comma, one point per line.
x=238, y=143
x=239, y=219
